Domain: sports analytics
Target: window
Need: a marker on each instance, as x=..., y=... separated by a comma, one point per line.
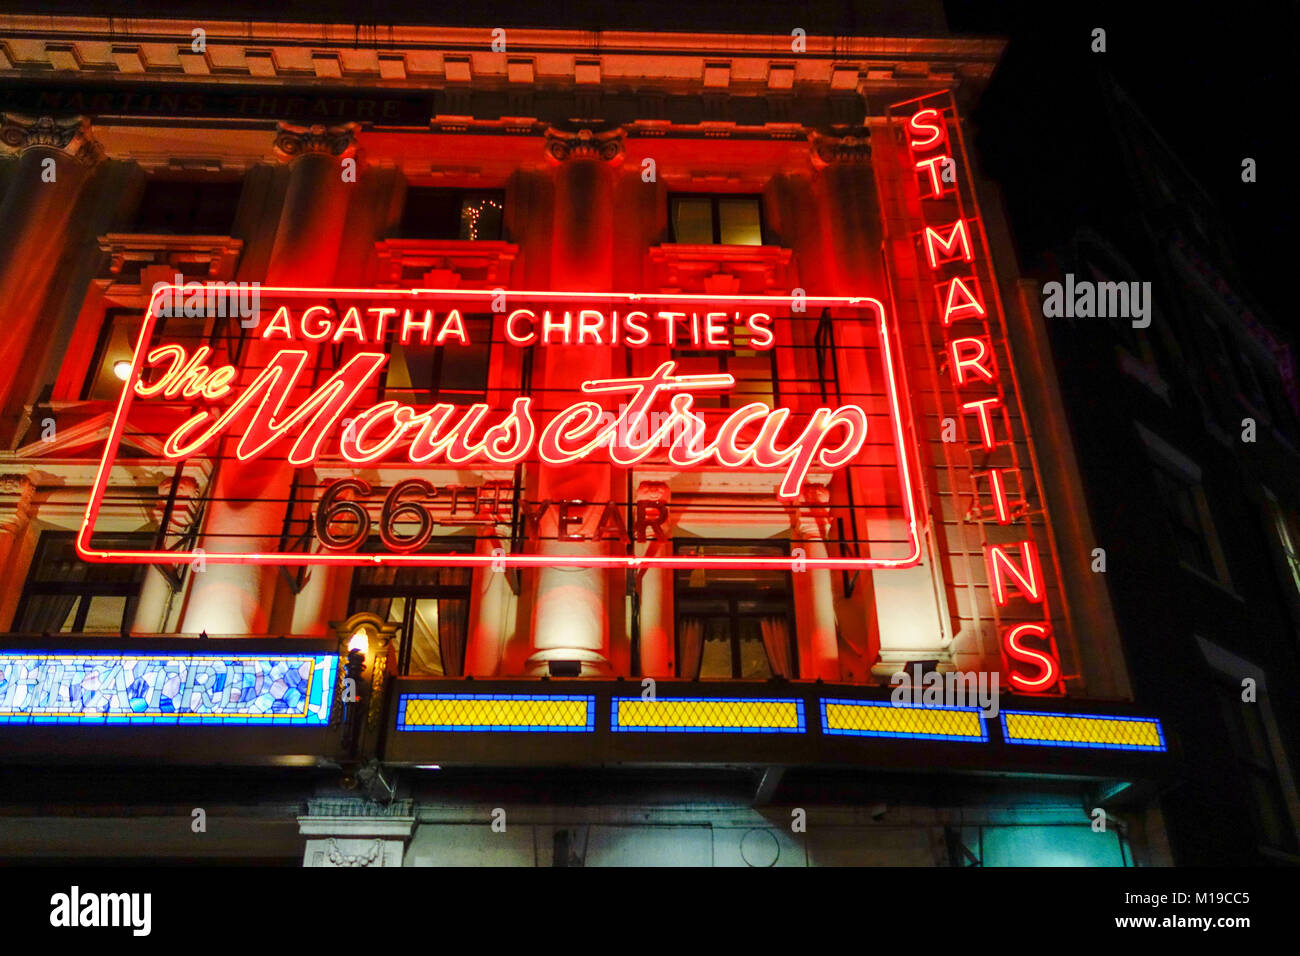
x=453, y=214
x=716, y=220
x=428, y=374
x=112, y=360
x=1182, y=508
x=188, y=208
x=1287, y=529
x=733, y=623
x=65, y=595
x=754, y=371
x=430, y=606
x=1253, y=752
x=1179, y=493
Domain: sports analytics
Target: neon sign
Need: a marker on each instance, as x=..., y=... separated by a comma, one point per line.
x=280, y=408
x=1014, y=570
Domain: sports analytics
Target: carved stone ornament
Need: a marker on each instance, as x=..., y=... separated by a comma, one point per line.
x=292, y=141
x=848, y=147
x=605, y=146
x=365, y=858
x=70, y=135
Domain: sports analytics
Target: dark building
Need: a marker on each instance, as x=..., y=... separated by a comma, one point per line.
x=1186, y=434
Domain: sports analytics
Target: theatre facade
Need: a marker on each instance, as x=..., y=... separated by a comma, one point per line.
x=461, y=448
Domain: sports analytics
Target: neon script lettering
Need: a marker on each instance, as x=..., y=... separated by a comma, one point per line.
x=752, y=436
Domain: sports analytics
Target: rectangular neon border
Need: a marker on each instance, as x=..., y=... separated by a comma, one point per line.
x=320, y=692
x=878, y=705
x=617, y=727
x=587, y=728
x=95, y=555
x=1083, y=744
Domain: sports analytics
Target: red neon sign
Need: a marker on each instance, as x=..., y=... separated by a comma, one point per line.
x=280, y=412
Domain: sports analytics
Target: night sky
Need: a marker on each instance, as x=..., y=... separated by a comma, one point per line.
x=1212, y=79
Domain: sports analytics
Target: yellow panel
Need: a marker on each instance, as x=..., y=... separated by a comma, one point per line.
x=514, y=712
x=919, y=721
x=1084, y=731
x=783, y=714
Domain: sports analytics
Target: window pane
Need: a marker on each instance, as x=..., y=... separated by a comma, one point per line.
x=465, y=369
x=431, y=214
x=754, y=664
x=116, y=345
x=426, y=652
x=106, y=614
x=753, y=373
x=739, y=222
x=716, y=661
x=481, y=216
x=693, y=221
x=178, y=207
x=53, y=613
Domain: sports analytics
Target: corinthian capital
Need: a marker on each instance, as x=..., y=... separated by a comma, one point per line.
x=606, y=146
x=850, y=146
x=293, y=141
x=70, y=135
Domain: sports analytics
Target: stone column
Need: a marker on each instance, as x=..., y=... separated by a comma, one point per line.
x=570, y=618
x=658, y=629
x=57, y=157
x=17, y=493
x=814, y=588
x=250, y=498
x=906, y=607
x=489, y=606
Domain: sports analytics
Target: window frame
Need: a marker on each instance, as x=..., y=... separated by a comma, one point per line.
x=84, y=590
x=1179, y=468
x=732, y=595
x=462, y=193
x=197, y=184
x=1228, y=671
x=715, y=209
x=437, y=393
x=415, y=592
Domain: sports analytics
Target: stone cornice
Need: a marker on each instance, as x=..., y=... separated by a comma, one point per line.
x=69, y=135
x=414, y=55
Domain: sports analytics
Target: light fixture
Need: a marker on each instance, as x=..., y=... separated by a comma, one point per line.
x=122, y=369
x=360, y=642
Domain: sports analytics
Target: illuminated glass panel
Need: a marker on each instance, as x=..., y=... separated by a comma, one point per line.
x=527, y=713
x=860, y=718
x=739, y=222
x=1077, y=730
x=708, y=715
x=693, y=220
x=716, y=220
x=43, y=688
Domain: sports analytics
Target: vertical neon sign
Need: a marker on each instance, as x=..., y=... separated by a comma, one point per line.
x=949, y=247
